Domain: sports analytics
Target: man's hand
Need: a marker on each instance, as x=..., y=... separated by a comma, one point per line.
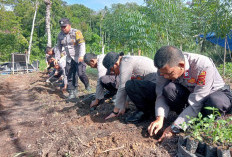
x=80, y=59
x=53, y=59
x=94, y=103
x=112, y=115
x=64, y=89
x=121, y=112
x=166, y=134
x=155, y=126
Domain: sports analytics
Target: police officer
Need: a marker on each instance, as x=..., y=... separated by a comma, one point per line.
x=56, y=74
x=131, y=67
x=74, y=45
x=109, y=82
x=186, y=83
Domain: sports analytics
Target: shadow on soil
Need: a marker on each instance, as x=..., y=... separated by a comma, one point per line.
x=16, y=100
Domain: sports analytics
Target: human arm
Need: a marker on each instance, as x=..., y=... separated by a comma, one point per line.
x=81, y=43
x=58, y=48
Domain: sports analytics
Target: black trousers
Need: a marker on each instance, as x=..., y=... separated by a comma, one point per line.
x=71, y=70
x=81, y=72
x=177, y=98
x=142, y=94
x=110, y=83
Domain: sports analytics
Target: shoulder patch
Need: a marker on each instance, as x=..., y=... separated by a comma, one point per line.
x=79, y=37
x=201, y=78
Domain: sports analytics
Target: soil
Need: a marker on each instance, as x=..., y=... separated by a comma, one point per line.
x=35, y=120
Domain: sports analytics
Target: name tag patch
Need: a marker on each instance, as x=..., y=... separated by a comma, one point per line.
x=192, y=80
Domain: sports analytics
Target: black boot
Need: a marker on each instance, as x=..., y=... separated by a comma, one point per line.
x=72, y=95
x=136, y=117
x=75, y=92
x=88, y=88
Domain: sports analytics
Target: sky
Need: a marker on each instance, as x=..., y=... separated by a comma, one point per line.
x=100, y=4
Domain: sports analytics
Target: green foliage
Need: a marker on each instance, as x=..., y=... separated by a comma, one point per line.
x=211, y=16
x=126, y=26
x=211, y=129
x=42, y=64
x=122, y=27
x=228, y=69
x=92, y=71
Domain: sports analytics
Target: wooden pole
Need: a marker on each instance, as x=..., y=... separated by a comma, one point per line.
x=26, y=61
x=12, y=55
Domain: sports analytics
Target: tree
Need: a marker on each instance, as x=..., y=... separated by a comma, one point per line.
x=127, y=27
x=32, y=30
x=48, y=16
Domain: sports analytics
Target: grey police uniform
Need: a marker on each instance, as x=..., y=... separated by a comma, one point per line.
x=74, y=46
x=101, y=72
x=104, y=80
x=62, y=64
x=133, y=67
x=196, y=88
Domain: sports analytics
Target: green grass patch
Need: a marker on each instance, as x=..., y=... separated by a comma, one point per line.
x=92, y=71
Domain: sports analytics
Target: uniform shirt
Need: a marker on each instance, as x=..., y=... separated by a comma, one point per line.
x=62, y=64
x=138, y=67
x=73, y=44
x=201, y=78
x=101, y=72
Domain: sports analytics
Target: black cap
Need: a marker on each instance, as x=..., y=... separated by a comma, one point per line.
x=64, y=22
x=110, y=59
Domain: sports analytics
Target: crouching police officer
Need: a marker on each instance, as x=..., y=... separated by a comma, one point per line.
x=109, y=82
x=135, y=73
x=186, y=83
x=74, y=45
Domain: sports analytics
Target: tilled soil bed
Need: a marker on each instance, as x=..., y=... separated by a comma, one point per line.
x=35, y=121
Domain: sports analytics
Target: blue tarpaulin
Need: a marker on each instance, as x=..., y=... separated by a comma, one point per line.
x=218, y=40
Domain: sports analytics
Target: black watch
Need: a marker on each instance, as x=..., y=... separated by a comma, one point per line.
x=175, y=129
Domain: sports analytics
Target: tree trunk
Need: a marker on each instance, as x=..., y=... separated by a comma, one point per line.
x=32, y=30
x=48, y=21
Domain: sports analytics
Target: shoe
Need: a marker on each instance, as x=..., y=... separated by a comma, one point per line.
x=88, y=88
x=136, y=117
x=75, y=92
x=48, y=81
x=108, y=95
x=72, y=95
x=113, y=99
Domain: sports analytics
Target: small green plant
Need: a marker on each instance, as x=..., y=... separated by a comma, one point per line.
x=212, y=129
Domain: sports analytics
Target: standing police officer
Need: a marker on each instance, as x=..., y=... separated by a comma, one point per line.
x=74, y=45
x=186, y=84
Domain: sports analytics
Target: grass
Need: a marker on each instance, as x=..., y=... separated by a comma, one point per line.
x=92, y=71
